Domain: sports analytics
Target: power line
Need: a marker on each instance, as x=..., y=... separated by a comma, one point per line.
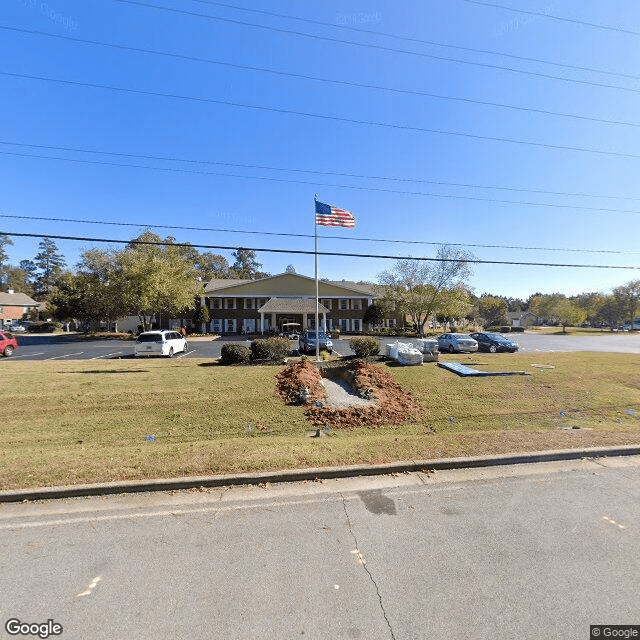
x=303, y=252
x=541, y=14
x=395, y=36
x=375, y=46
x=348, y=83
x=321, y=116
x=427, y=194
x=308, y=235
x=282, y=169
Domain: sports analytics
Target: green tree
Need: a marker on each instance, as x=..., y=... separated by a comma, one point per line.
x=611, y=311
x=201, y=317
x=19, y=280
x=49, y=263
x=5, y=240
x=493, y=310
x=211, y=265
x=455, y=303
x=557, y=309
x=629, y=298
x=421, y=289
x=246, y=265
x=590, y=303
x=155, y=278
x=375, y=314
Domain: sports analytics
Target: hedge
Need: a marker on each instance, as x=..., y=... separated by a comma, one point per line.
x=364, y=347
x=270, y=348
x=234, y=354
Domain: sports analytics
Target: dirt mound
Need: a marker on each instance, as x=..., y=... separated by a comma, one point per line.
x=294, y=379
x=393, y=405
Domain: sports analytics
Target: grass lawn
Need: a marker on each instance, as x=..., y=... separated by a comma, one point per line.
x=79, y=422
x=574, y=331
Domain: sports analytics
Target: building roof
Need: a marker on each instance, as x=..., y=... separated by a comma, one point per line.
x=223, y=283
x=16, y=300
x=292, y=305
x=285, y=284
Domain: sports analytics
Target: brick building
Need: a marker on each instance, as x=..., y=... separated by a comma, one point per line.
x=258, y=306
x=14, y=306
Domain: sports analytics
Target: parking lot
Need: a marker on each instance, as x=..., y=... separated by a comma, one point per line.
x=77, y=347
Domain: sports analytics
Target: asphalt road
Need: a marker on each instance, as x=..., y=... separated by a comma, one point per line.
x=74, y=347
x=527, y=552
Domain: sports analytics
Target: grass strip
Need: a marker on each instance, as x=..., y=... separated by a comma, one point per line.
x=70, y=422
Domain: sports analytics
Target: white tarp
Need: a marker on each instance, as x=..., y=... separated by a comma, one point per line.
x=404, y=352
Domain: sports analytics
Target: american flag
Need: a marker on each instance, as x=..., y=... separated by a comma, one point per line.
x=331, y=216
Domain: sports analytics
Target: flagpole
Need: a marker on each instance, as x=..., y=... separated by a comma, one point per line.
x=315, y=219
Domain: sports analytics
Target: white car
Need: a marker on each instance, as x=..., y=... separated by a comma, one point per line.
x=460, y=342
x=160, y=343
x=16, y=328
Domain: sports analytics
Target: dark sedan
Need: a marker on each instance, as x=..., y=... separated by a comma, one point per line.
x=494, y=342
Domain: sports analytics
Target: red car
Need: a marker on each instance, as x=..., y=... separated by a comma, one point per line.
x=8, y=343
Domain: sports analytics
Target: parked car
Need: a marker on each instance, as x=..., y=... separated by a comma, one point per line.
x=8, y=343
x=18, y=328
x=628, y=326
x=308, y=342
x=494, y=342
x=460, y=342
x=160, y=343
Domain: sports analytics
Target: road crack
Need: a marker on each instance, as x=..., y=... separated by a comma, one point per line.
x=362, y=561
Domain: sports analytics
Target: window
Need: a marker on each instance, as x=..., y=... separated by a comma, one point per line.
x=248, y=303
x=215, y=303
x=216, y=325
x=357, y=325
x=229, y=303
x=355, y=304
x=326, y=303
x=344, y=304
x=344, y=325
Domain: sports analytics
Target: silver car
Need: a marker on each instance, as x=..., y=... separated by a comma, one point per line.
x=457, y=342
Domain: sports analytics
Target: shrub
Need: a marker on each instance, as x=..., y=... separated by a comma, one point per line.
x=364, y=347
x=44, y=327
x=234, y=354
x=270, y=348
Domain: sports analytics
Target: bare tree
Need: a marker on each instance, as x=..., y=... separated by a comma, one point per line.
x=418, y=288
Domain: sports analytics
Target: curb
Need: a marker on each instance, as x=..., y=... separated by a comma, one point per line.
x=324, y=473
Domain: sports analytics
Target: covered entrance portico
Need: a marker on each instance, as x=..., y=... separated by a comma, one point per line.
x=278, y=311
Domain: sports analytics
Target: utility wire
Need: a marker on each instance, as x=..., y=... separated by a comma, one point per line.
x=378, y=47
x=303, y=252
x=282, y=169
x=322, y=116
x=348, y=83
x=552, y=205
x=541, y=14
x=395, y=36
x=307, y=235
x=409, y=92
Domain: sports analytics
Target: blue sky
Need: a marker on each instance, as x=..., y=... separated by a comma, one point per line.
x=242, y=161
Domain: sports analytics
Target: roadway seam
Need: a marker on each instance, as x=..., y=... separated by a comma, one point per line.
x=364, y=566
